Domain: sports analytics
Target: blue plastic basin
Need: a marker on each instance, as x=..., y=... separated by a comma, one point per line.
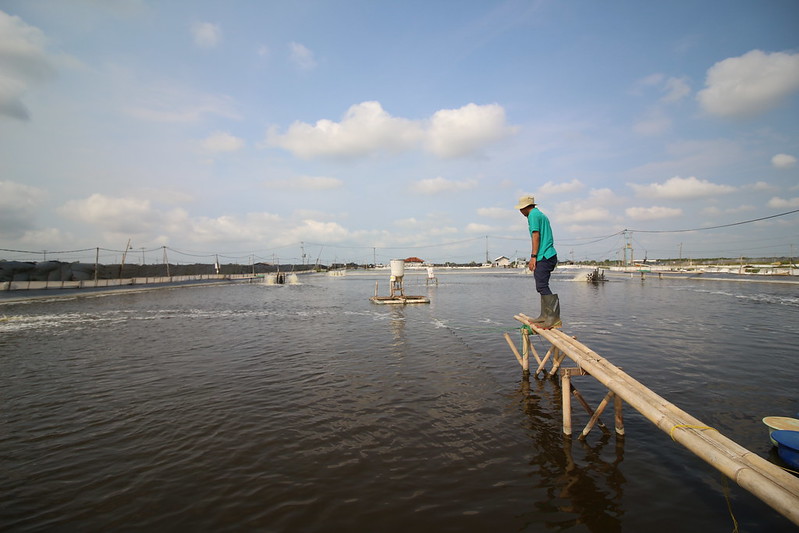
x=788, y=442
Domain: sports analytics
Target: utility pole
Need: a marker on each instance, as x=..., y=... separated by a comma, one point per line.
x=124, y=255
x=487, y=259
x=628, y=246
x=166, y=261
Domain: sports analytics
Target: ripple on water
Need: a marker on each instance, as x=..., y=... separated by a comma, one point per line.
x=307, y=408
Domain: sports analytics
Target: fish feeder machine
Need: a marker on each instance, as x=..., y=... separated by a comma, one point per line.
x=396, y=292
x=397, y=273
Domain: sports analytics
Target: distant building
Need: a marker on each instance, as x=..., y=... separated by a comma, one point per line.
x=501, y=261
x=414, y=261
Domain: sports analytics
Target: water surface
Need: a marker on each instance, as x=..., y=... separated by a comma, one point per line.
x=307, y=408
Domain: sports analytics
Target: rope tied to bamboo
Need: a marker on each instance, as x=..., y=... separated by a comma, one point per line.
x=688, y=426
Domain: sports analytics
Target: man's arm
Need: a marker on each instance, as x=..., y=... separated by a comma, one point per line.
x=536, y=238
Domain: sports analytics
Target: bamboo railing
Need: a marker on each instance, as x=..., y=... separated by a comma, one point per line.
x=767, y=481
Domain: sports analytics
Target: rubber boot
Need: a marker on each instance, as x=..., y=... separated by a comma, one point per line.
x=541, y=317
x=551, y=305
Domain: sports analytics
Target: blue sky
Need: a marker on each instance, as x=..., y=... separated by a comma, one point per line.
x=362, y=130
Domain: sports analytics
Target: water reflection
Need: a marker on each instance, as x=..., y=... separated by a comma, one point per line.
x=583, y=482
x=398, y=325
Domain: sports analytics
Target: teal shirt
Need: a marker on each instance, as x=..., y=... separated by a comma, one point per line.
x=538, y=221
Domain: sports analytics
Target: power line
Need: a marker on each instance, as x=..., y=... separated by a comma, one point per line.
x=716, y=227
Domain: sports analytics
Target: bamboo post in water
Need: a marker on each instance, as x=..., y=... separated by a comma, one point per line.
x=619, y=418
x=513, y=348
x=565, y=384
x=526, y=352
x=767, y=481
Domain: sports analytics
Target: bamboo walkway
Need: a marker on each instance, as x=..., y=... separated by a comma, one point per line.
x=767, y=481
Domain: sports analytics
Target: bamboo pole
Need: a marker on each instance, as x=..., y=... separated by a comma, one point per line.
x=765, y=480
x=588, y=409
x=557, y=359
x=618, y=418
x=532, y=348
x=526, y=352
x=599, y=410
x=567, y=403
x=544, y=360
x=513, y=347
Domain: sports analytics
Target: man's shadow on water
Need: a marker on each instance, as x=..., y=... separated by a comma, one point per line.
x=582, y=482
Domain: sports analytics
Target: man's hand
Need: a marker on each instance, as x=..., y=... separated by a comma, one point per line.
x=531, y=264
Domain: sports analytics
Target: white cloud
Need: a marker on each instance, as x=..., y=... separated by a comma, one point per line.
x=19, y=205
x=649, y=81
x=594, y=208
x=24, y=63
x=478, y=228
x=652, y=213
x=783, y=161
x=46, y=238
x=783, y=203
x=550, y=187
x=678, y=188
x=222, y=141
x=431, y=225
x=465, y=131
x=170, y=103
x=368, y=129
x=713, y=210
x=656, y=121
x=750, y=84
x=676, y=89
x=130, y=217
x=121, y=215
x=311, y=230
x=301, y=56
x=604, y=196
x=762, y=186
x=497, y=212
x=250, y=227
x=315, y=183
x=582, y=214
x=407, y=223
x=439, y=185
x=18, y=196
x=206, y=35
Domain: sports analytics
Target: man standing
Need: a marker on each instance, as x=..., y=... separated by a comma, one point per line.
x=543, y=260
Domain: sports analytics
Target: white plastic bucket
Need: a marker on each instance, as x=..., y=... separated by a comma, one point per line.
x=398, y=267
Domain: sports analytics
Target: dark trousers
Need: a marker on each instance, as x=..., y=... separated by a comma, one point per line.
x=543, y=269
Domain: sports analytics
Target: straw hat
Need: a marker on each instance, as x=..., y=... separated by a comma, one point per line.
x=525, y=200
